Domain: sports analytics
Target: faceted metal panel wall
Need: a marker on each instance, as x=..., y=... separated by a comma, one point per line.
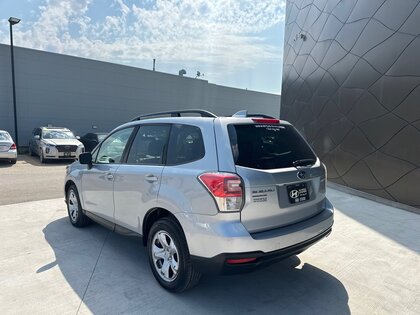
x=351, y=84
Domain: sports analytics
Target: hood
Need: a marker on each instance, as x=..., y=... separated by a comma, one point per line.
x=62, y=141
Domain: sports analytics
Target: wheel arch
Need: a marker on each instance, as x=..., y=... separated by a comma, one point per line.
x=152, y=216
x=67, y=185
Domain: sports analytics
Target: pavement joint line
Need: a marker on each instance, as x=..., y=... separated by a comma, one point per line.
x=93, y=271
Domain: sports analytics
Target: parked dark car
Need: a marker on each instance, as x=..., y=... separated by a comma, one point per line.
x=91, y=140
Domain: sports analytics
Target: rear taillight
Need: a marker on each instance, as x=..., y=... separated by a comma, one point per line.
x=266, y=120
x=226, y=189
x=13, y=147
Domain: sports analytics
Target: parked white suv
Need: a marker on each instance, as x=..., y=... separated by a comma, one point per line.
x=54, y=143
x=207, y=194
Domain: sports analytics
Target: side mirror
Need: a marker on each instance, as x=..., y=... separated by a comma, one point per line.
x=78, y=137
x=37, y=137
x=85, y=158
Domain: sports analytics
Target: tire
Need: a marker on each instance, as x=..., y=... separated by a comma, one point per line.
x=180, y=275
x=41, y=158
x=74, y=208
x=13, y=161
x=30, y=151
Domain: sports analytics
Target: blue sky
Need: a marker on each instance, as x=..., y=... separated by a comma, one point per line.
x=236, y=43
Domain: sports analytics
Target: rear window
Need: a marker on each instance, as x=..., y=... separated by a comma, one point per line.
x=4, y=136
x=263, y=146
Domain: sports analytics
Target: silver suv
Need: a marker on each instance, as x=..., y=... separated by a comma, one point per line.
x=207, y=194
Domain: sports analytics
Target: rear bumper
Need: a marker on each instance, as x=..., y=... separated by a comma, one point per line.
x=213, y=239
x=219, y=265
x=8, y=155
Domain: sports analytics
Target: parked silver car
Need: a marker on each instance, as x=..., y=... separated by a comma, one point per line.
x=54, y=143
x=8, y=150
x=207, y=194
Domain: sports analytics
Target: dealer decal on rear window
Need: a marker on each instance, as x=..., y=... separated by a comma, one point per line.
x=271, y=127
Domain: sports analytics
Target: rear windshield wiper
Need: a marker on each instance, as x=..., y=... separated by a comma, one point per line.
x=304, y=162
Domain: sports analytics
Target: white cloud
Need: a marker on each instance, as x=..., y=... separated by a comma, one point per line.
x=224, y=34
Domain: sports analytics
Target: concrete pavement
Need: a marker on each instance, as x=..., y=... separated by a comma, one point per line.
x=369, y=265
x=29, y=180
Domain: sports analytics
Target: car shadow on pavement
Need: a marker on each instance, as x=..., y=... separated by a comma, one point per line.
x=34, y=160
x=5, y=164
x=111, y=274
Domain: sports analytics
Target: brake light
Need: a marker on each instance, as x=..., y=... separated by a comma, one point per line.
x=266, y=120
x=226, y=189
x=13, y=147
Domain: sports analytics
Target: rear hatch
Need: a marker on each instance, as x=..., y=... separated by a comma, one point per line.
x=283, y=179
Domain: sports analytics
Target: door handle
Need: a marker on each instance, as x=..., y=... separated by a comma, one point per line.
x=151, y=178
x=109, y=176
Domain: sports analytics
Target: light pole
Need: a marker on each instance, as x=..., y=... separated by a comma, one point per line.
x=13, y=21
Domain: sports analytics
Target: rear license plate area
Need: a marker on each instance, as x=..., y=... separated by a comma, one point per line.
x=298, y=193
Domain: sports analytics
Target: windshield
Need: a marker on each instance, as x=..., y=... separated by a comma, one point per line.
x=268, y=146
x=57, y=134
x=4, y=136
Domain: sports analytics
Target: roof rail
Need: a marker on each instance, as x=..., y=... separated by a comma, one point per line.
x=177, y=113
x=244, y=114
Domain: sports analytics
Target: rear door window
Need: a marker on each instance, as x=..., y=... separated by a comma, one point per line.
x=185, y=144
x=149, y=145
x=263, y=146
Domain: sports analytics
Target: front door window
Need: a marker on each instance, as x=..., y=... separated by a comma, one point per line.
x=112, y=149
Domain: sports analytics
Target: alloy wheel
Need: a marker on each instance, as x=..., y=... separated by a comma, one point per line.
x=165, y=256
x=73, y=205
